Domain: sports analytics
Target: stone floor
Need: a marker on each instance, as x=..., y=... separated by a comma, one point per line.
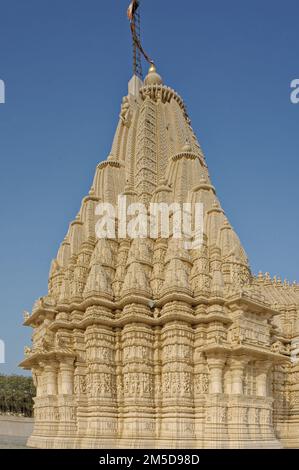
x=10, y=442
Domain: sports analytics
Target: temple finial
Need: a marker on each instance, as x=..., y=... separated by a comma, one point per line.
x=153, y=78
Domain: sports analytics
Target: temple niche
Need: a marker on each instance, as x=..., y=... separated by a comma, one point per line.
x=145, y=344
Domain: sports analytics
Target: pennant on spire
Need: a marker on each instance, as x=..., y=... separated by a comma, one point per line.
x=134, y=19
x=132, y=9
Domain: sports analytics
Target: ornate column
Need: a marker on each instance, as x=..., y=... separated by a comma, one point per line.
x=80, y=382
x=101, y=386
x=261, y=378
x=66, y=401
x=50, y=371
x=264, y=409
x=40, y=409
x=227, y=379
x=49, y=408
x=237, y=367
x=138, y=382
x=281, y=408
x=178, y=419
x=291, y=438
x=201, y=384
x=67, y=376
x=216, y=365
x=37, y=380
x=238, y=406
x=119, y=379
x=215, y=434
x=158, y=380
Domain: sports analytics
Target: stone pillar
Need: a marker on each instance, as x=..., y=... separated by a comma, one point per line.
x=291, y=437
x=119, y=379
x=216, y=365
x=178, y=418
x=237, y=366
x=261, y=378
x=40, y=409
x=158, y=380
x=37, y=379
x=51, y=378
x=47, y=406
x=238, y=410
x=80, y=392
x=80, y=382
x=67, y=376
x=102, y=423
x=138, y=385
x=66, y=402
x=215, y=432
x=280, y=418
x=264, y=405
x=227, y=380
x=201, y=384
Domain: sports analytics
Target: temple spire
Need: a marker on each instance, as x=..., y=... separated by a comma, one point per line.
x=157, y=335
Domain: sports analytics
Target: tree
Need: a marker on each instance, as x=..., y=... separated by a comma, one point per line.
x=16, y=395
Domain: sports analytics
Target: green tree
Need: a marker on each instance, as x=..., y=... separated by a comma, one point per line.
x=16, y=395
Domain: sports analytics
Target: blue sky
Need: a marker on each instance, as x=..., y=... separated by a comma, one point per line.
x=66, y=65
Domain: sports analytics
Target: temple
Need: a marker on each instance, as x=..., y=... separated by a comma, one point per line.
x=142, y=343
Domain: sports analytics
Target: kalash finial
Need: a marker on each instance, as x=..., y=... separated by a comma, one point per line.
x=153, y=78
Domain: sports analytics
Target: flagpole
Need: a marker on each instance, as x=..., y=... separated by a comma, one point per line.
x=138, y=51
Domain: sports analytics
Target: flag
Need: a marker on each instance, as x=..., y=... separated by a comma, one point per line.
x=132, y=9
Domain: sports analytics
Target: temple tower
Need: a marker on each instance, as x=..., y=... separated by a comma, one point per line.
x=146, y=343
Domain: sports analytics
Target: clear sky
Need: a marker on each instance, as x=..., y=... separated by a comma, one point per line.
x=66, y=65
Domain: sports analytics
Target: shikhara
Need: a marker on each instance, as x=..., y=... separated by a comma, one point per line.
x=144, y=343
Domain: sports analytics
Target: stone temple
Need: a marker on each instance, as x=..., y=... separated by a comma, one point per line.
x=141, y=343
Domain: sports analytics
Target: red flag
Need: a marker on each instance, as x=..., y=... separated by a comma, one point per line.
x=132, y=9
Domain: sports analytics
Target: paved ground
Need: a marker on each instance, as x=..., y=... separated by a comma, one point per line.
x=9, y=442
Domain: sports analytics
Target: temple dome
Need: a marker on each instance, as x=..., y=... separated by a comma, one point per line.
x=153, y=78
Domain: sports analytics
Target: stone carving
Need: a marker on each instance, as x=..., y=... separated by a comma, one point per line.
x=26, y=315
x=143, y=342
x=201, y=383
x=27, y=351
x=125, y=113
